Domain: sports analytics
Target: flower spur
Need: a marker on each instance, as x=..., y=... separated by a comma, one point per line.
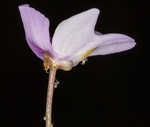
x=74, y=40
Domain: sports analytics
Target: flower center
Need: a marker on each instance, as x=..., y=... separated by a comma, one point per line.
x=50, y=62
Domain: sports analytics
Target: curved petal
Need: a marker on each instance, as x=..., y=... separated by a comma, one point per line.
x=73, y=33
x=105, y=44
x=36, y=27
x=112, y=43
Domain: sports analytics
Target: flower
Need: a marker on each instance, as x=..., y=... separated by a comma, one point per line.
x=74, y=39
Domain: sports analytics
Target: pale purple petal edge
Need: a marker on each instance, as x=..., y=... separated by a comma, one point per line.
x=38, y=38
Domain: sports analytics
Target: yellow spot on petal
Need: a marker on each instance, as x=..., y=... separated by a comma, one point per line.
x=87, y=53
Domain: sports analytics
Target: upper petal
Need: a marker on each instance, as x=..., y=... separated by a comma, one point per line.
x=36, y=27
x=73, y=33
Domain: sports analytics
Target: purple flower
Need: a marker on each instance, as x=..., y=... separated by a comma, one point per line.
x=74, y=39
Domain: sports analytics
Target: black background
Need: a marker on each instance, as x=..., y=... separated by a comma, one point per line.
x=108, y=91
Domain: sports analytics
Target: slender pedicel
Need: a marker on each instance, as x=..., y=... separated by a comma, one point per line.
x=51, y=64
x=50, y=92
